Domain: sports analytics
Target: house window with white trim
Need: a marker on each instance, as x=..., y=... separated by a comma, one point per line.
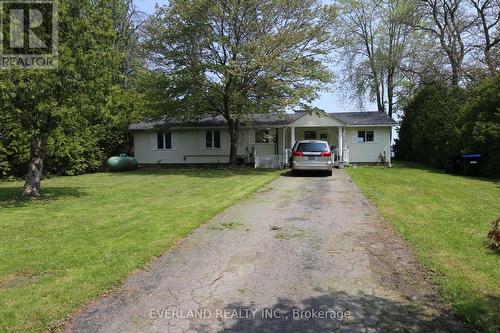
x=366, y=136
x=262, y=136
x=164, y=140
x=212, y=139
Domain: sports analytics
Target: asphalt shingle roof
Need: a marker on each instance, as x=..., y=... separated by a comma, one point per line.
x=364, y=118
x=349, y=118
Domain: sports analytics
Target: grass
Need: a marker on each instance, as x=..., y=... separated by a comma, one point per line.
x=445, y=218
x=86, y=233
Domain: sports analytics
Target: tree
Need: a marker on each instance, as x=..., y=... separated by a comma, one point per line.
x=372, y=39
x=48, y=103
x=127, y=22
x=431, y=127
x=234, y=58
x=449, y=22
x=396, y=16
x=358, y=47
x=481, y=124
x=488, y=12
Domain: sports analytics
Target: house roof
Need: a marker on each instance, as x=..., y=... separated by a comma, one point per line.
x=364, y=118
x=348, y=118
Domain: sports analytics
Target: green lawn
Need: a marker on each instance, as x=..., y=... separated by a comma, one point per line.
x=445, y=218
x=88, y=232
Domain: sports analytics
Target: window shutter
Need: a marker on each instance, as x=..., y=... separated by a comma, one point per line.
x=154, y=140
x=224, y=139
x=376, y=136
x=201, y=138
x=251, y=137
x=354, y=137
x=174, y=139
x=242, y=138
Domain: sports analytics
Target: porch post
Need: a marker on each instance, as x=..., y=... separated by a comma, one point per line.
x=284, y=139
x=341, y=144
x=283, y=150
x=292, y=136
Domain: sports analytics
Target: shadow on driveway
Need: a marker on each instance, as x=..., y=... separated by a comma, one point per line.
x=367, y=313
x=305, y=174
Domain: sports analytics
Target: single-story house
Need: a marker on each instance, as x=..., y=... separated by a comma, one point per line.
x=357, y=137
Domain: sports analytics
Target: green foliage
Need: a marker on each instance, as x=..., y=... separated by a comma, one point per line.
x=234, y=58
x=14, y=149
x=73, y=153
x=81, y=110
x=431, y=127
x=441, y=122
x=481, y=129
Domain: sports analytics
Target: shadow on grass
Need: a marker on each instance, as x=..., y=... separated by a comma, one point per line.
x=367, y=313
x=483, y=310
x=198, y=172
x=13, y=196
x=429, y=169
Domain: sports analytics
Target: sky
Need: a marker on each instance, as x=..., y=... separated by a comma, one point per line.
x=328, y=101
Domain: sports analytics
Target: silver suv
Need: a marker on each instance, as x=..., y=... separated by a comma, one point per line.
x=312, y=155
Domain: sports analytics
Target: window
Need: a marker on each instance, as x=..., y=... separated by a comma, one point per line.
x=310, y=135
x=262, y=136
x=209, y=139
x=216, y=139
x=160, y=141
x=366, y=136
x=212, y=139
x=312, y=147
x=369, y=136
x=323, y=137
x=164, y=140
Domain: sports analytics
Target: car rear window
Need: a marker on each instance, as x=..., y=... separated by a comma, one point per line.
x=312, y=146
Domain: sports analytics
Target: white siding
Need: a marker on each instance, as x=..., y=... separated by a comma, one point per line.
x=189, y=146
x=314, y=120
x=331, y=132
x=368, y=152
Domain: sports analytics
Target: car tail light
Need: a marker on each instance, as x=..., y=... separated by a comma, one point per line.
x=298, y=153
x=326, y=153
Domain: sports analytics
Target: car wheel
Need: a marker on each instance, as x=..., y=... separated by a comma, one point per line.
x=329, y=173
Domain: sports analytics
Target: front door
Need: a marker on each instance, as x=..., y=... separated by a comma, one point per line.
x=324, y=137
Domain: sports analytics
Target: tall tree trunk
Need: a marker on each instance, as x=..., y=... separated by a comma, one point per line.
x=390, y=92
x=490, y=62
x=233, y=133
x=35, y=168
x=379, y=94
x=455, y=76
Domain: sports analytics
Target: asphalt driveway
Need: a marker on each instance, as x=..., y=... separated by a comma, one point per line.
x=305, y=254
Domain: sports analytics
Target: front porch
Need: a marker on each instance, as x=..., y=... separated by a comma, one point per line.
x=333, y=135
x=349, y=142
x=286, y=137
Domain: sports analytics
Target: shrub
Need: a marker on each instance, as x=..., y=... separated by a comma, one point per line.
x=481, y=125
x=493, y=238
x=441, y=122
x=430, y=130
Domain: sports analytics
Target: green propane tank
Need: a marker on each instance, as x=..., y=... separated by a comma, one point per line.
x=121, y=163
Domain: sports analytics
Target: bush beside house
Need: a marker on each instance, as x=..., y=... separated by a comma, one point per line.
x=441, y=122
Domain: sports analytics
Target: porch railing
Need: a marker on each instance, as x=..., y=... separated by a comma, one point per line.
x=279, y=161
x=341, y=155
x=268, y=161
x=337, y=157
